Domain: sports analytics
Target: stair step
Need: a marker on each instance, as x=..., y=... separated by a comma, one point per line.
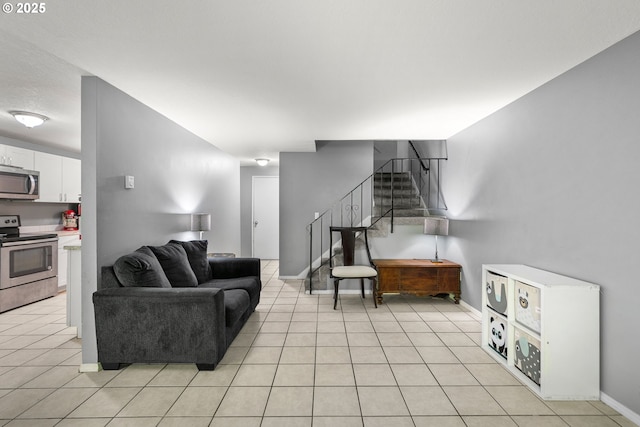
x=396, y=197
x=398, y=205
x=414, y=212
x=397, y=192
x=398, y=176
x=396, y=180
x=408, y=212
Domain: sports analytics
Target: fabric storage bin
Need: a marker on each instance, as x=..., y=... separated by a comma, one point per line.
x=526, y=355
x=496, y=290
x=497, y=333
x=527, y=304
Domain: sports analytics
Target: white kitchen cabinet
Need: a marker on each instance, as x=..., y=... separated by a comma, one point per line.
x=50, y=168
x=550, y=334
x=59, y=178
x=16, y=156
x=71, y=180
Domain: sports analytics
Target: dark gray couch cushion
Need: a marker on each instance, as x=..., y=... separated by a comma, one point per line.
x=197, y=254
x=140, y=269
x=175, y=264
x=236, y=303
x=250, y=284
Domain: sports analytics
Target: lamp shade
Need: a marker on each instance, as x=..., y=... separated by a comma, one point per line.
x=436, y=226
x=200, y=222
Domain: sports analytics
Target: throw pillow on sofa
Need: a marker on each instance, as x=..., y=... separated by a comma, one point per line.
x=140, y=268
x=197, y=254
x=175, y=264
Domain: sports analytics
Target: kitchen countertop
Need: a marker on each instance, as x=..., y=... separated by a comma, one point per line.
x=67, y=232
x=57, y=229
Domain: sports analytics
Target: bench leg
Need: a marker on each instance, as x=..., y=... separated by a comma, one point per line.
x=374, y=287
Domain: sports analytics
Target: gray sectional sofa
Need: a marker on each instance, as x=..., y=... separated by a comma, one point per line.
x=172, y=304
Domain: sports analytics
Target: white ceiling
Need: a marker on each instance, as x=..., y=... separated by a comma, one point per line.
x=257, y=77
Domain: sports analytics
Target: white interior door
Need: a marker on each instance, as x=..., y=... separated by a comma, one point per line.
x=266, y=217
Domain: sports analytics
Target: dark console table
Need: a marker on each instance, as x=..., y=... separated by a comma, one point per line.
x=418, y=277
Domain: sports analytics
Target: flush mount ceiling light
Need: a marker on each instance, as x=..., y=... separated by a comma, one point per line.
x=262, y=162
x=30, y=120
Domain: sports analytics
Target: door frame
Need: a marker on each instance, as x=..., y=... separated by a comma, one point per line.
x=253, y=208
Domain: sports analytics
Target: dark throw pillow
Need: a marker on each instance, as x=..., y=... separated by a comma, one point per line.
x=197, y=254
x=140, y=269
x=175, y=264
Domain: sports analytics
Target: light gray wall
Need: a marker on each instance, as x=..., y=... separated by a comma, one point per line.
x=176, y=173
x=552, y=181
x=246, y=202
x=36, y=213
x=311, y=182
x=383, y=152
x=431, y=147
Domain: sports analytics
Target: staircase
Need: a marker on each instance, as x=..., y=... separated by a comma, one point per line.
x=403, y=191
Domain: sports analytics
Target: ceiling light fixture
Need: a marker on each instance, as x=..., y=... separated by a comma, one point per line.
x=30, y=120
x=262, y=162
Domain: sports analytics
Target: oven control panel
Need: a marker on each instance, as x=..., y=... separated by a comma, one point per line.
x=9, y=221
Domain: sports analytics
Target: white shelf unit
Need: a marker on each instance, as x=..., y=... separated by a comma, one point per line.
x=568, y=319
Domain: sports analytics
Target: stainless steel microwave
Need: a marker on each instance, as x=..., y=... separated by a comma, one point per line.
x=18, y=183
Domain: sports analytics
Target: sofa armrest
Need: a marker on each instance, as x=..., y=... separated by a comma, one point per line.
x=160, y=325
x=230, y=268
x=108, y=278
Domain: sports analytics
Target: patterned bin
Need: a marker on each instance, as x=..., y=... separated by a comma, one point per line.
x=527, y=306
x=526, y=355
x=497, y=333
x=496, y=289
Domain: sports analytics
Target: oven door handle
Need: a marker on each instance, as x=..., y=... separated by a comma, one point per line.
x=29, y=242
x=31, y=185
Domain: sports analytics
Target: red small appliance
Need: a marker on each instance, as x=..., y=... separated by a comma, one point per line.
x=69, y=220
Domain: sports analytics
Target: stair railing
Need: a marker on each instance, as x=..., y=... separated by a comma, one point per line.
x=430, y=181
x=374, y=198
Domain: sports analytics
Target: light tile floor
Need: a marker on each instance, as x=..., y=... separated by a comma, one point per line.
x=411, y=362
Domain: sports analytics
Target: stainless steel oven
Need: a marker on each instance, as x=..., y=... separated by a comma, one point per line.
x=28, y=261
x=28, y=265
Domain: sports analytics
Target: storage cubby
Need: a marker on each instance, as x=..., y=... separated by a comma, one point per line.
x=548, y=335
x=497, y=331
x=496, y=292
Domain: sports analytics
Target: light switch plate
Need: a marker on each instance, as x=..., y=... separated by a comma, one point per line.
x=129, y=181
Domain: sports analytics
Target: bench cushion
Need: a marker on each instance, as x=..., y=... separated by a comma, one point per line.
x=236, y=303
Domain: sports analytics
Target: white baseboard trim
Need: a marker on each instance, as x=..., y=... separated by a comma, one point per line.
x=90, y=367
x=606, y=399
x=292, y=277
x=473, y=310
